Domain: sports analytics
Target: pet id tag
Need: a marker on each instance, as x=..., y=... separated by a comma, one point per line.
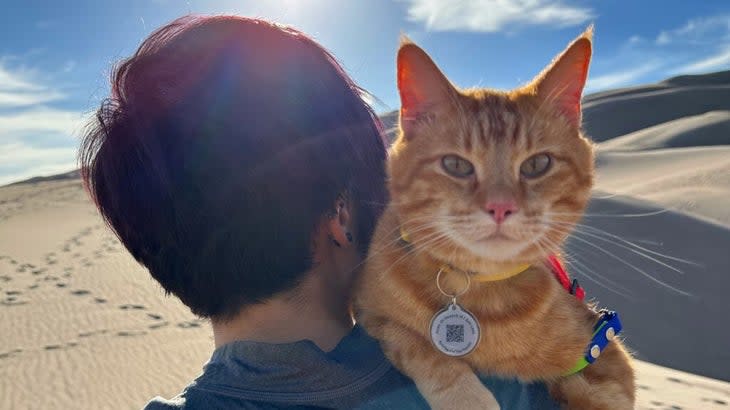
x=455, y=331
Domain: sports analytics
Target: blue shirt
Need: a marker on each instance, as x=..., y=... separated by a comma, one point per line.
x=354, y=375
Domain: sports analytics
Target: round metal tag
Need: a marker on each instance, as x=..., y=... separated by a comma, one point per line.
x=455, y=331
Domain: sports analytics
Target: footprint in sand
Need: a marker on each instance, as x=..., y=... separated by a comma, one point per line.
x=33, y=286
x=99, y=300
x=154, y=316
x=128, y=333
x=80, y=292
x=13, y=301
x=13, y=292
x=188, y=325
x=132, y=307
x=158, y=325
x=93, y=332
x=715, y=401
x=11, y=353
x=68, y=345
x=5, y=278
x=61, y=285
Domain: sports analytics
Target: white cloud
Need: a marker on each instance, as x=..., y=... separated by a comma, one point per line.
x=698, y=31
x=68, y=66
x=19, y=88
x=495, y=15
x=39, y=119
x=635, y=40
x=27, y=161
x=621, y=78
x=35, y=138
x=663, y=38
x=17, y=79
x=719, y=61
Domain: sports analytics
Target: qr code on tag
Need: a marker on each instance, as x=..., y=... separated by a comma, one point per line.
x=454, y=333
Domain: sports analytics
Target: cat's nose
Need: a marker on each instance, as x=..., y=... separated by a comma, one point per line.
x=500, y=210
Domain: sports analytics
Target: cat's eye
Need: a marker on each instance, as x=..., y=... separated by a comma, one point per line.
x=457, y=166
x=536, y=166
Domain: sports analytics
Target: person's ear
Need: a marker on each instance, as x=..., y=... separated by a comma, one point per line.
x=339, y=224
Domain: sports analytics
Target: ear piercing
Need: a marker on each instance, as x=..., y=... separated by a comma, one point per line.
x=334, y=241
x=337, y=243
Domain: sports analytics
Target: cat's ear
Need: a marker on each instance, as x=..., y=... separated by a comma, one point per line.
x=422, y=86
x=561, y=83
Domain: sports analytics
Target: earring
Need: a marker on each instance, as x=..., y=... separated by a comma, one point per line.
x=349, y=236
x=335, y=241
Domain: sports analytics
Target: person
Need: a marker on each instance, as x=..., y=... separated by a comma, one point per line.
x=240, y=165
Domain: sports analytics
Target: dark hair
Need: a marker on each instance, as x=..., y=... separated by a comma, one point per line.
x=223, y=144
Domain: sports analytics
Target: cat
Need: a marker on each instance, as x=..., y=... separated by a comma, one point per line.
x=485, y=186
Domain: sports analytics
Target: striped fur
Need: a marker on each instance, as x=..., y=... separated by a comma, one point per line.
x=532, y=329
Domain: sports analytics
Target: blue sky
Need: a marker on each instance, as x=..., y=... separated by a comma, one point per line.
x=55, y=56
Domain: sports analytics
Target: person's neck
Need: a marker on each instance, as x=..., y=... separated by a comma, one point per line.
x=313, y=311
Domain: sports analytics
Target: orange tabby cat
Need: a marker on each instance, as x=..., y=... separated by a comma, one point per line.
x=485, y=185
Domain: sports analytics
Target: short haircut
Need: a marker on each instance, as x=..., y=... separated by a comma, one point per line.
x=223, y=144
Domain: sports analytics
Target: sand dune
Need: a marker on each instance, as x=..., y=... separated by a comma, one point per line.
x=611, y=114
x=710, y=128
x=695, y=180
x=83, y=325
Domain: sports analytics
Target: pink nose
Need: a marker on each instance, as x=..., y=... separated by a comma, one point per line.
x=501, y=210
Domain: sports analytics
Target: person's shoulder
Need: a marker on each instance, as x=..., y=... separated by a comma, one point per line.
x=159, y=403
x=191, y=401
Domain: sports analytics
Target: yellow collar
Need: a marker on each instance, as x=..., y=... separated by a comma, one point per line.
x=478, y=277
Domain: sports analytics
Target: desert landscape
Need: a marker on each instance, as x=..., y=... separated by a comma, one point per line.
x=85, y=327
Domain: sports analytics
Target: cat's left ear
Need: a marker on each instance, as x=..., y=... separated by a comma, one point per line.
x=562, y=82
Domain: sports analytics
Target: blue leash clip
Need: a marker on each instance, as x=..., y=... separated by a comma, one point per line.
x=607, y=328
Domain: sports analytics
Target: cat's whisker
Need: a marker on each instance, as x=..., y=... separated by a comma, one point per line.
x=432, y=242
x=636, y=268
x=589, y=215
x=592, y=275
x=387, y=246
x=570, y=261
x=596, y=232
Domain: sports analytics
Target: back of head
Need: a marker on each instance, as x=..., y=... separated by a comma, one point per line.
x=224, y=142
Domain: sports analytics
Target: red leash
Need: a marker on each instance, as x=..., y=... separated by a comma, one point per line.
x=561, y=275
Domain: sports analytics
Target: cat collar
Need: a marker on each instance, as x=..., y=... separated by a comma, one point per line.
x=605, y=330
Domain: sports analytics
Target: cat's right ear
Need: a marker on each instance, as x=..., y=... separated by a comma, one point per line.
x=422, y=86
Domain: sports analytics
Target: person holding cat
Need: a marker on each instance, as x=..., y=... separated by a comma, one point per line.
x=239, y=164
